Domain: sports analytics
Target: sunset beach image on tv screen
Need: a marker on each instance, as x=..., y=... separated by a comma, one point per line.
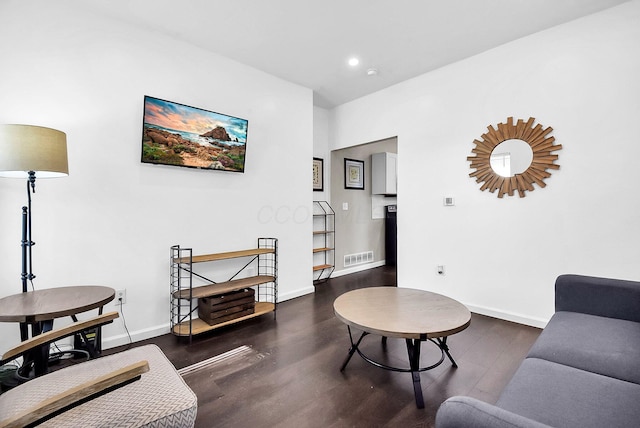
x=180, y=135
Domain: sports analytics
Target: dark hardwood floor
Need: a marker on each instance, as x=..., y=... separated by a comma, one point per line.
x=291, y=378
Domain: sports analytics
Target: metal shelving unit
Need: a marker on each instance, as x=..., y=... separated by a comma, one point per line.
x=324, y=231
x=184, y=295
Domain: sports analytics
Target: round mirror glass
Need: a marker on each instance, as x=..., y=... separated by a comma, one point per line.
x=511, y=157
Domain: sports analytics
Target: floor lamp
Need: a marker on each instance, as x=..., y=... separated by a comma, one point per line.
x=31, y=152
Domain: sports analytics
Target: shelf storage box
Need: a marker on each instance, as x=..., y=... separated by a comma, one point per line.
x=214, y=310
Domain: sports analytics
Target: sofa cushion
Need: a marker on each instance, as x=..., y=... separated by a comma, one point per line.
x=606, y=346
x=159, y=399
x=563, y=396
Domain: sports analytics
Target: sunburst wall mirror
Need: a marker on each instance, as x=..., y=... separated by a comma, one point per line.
x=511, y=157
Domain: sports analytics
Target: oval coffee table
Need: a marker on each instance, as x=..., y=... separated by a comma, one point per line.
x=413, y=315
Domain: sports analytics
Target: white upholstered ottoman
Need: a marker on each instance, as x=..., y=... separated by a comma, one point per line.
x=160, y=398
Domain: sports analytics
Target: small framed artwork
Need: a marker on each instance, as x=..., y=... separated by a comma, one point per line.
x=353, y=174
x=318, y=175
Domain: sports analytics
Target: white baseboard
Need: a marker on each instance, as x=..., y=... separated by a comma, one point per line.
x=358, y=268
x=494, y=313
x=296, y=293
x=136, y=336
x=148, y=333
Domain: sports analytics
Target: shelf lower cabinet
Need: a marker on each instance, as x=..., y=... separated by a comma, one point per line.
x=189, y=288
x=324, y=230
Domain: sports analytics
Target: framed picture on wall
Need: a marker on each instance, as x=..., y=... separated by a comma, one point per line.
x=318, y=174
x=353, y=174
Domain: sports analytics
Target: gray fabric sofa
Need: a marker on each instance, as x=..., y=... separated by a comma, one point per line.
x=583, y=371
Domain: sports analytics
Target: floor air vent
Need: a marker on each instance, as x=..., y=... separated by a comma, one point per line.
x=358, y=258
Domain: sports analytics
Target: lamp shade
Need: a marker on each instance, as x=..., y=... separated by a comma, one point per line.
x=25, y=148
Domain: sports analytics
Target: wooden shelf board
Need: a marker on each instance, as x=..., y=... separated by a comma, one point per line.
x=321, y=267
x=198, y=326
x=223, y=287
x=319, y=250
x=224, y=256
x=322, y=232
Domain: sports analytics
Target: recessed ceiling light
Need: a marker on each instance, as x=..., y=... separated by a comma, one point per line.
x=372, y=72
x=354, y=61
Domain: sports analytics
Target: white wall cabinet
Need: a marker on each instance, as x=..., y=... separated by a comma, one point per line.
x=384, y=173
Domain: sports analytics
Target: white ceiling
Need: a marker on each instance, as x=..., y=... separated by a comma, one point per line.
x=308, y=42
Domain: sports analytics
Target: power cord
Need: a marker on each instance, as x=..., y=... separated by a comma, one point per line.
x=124, y=322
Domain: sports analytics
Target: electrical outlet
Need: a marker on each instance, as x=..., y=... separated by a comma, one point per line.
x=121, y=297
x=440, y=269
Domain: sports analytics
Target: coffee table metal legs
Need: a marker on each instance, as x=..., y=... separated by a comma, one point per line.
x=413, y=351
x=442, y=343
x=352, y=349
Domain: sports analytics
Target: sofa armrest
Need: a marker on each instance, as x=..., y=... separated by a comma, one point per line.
x=612, y=298
x=463, y=412
x=77, y=395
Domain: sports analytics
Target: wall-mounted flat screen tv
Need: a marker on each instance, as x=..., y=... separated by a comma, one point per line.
x=176, y=134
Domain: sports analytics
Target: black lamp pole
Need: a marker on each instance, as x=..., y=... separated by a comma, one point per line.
x=27, y=243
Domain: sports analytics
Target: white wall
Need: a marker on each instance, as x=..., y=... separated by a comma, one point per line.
x=580, y=78
x=321, y=150
x=112, y=221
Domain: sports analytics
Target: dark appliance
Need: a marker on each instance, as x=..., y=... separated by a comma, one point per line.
x=391, y=235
